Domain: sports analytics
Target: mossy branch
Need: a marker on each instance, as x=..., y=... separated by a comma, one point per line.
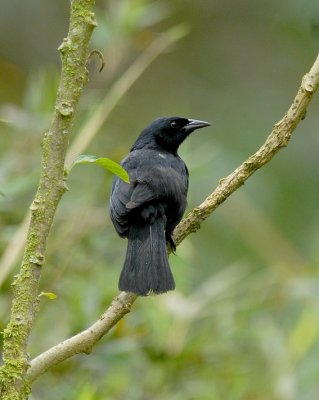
x=121, y=305
x=74, y=55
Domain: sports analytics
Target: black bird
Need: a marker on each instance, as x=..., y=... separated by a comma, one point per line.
x=147, y=210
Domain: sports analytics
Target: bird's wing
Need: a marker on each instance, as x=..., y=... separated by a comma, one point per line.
x=142, y=193
x=121, y=193
x=157, y=182
x=149, y=179
x=126, y=197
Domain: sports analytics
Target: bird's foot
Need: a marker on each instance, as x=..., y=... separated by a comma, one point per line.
x=171, y=243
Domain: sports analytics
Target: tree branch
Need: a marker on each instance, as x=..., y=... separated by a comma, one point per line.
x=84, y=341
x=278, y=138
x=74, y=54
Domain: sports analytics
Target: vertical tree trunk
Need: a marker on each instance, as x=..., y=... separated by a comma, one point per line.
x=74, y=55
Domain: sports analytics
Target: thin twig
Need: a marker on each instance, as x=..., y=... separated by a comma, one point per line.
x=278, y=138
x=99, y=54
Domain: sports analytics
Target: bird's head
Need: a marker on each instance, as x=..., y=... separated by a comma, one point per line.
x=167, y=133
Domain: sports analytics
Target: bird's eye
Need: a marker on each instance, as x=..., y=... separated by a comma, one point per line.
x=174, y=124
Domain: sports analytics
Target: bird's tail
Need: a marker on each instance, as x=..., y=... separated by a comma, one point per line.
x=146, y=269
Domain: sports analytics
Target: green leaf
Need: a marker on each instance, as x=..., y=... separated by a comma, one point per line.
x=105, y=163
x=49, y=295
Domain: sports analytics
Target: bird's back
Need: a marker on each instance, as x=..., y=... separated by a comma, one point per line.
x=156, y=177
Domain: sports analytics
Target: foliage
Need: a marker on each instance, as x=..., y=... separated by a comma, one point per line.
x=105, y=163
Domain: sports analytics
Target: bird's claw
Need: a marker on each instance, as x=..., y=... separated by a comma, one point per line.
x=172, y=243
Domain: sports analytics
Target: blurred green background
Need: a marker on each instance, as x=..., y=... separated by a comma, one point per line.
x=243, y=322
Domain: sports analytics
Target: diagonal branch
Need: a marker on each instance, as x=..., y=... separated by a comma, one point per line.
x=84, y=341
x=278, y=138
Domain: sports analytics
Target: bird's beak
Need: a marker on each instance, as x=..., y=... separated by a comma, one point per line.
x=195, y=124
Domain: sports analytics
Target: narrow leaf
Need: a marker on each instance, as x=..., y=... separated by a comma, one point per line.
x=105, y=163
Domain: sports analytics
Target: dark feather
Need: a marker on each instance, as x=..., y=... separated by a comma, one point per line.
x=146, y=269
